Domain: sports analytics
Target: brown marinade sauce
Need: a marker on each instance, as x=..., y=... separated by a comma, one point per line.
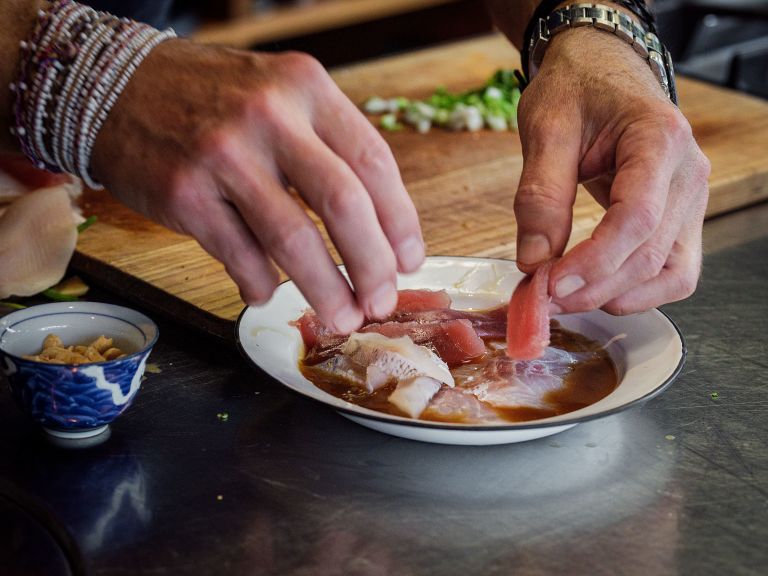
x=588, y=382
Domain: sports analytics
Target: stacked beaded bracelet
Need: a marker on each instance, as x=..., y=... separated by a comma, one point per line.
x=72, y=70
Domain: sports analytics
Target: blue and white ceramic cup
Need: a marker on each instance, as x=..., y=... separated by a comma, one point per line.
x=75, y=401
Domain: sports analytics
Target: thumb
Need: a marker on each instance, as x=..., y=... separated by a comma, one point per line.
x=545, y=196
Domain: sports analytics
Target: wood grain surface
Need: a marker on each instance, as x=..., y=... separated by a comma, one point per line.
x=463, y=185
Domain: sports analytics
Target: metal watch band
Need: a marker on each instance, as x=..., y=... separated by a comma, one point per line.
x=641, y=10
x=646, y=44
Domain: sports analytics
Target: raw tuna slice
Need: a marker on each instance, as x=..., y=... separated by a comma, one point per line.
x=487, y=323
x=456, y=335
x=454, y=341
x=418, y=300
x=460, y=343
x=313, y=332
x=528, y=316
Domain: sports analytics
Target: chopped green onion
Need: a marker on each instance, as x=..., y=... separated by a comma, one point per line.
x=58, y=296
x=90, y=221
x=389, y=122
x=493, y=105
x=67, y=290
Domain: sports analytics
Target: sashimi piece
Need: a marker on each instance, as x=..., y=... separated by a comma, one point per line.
x=343, y=367
x=517, y=384
x=314, y=332
x=388, y=359
x=413, y=395
x=459, y=405
x=487, y=323
x=460, y=343
x=506, y=383
x=454, y=341
x=421, y=325
x=38, y=234
x=528, y=316
x=418, y=300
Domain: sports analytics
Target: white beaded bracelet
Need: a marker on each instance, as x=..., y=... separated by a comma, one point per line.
x=72, y=71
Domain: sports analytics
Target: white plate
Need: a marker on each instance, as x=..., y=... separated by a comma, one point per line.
x=648, y=351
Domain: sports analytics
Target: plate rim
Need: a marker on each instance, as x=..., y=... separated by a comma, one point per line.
x=457, y=427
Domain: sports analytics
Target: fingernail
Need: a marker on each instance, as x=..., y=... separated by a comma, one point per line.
x=383, y=300
x=347, y=319
x=534, y=248
x=410, y=254
x=569, y=285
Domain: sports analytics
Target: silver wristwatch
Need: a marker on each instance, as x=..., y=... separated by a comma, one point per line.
x=602, y=17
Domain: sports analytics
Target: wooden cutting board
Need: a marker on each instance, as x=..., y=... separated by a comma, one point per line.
x=462, y=184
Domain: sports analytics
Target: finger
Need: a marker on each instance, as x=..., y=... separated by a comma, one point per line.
x=643, y=264
x=681, y=226
x=360, y=145
x=545, y=195
x=288, y=235
x=647, y=262
x=336, y=194
x=232, y=243
x=679, y=276
x=676, y=281
x=638, y=200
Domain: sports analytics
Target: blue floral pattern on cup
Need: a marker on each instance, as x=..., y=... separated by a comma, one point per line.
x=74, y=397
x=68, y=398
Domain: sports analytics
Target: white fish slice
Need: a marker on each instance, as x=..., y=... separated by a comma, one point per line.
x=38, y=234
x=413, y=395
x=390, y=359
x=341, y=366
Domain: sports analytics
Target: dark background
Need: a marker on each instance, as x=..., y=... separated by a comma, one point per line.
x=720, y=41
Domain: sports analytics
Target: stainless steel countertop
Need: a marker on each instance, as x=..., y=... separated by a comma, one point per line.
x=288, y=487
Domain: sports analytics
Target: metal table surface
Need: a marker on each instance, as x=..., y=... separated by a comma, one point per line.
x=288, y=487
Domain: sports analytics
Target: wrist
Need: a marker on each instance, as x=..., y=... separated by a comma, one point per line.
x=573, y=53
x=583, y=19
x=72, y=69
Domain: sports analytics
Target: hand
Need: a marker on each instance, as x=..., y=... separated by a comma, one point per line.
x=207, y=141
x=606, y=122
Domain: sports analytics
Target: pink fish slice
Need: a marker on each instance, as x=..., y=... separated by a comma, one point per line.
x=528, y=316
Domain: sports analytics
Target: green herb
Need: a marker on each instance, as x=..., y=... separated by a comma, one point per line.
x=54, y=294
x=90, y=221
x=67, y=290
x=493, y=105
x=223, y=416
x=714, y=395
x=389, y=122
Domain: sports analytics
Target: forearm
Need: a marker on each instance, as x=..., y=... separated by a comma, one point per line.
x=17, y=19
